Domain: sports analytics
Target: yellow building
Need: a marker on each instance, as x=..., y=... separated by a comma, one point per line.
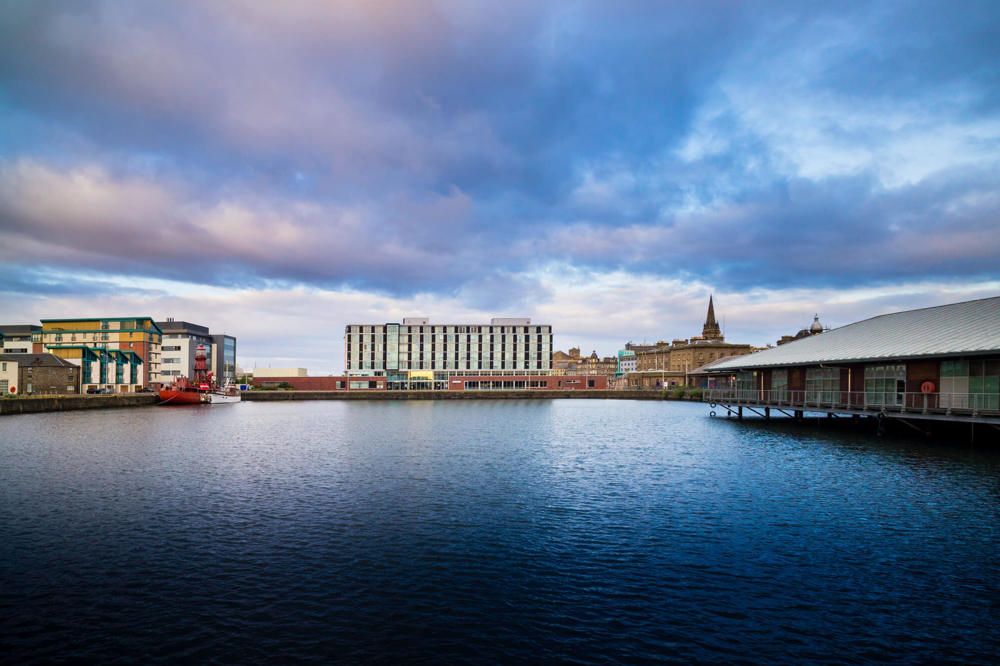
x=122, y=354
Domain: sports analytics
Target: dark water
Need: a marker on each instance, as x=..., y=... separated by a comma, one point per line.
x=488, y=532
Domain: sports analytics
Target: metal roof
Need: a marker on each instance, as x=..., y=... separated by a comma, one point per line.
x=971, y=327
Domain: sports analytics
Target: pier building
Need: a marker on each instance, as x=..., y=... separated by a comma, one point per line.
x=511, y=346
x=937, y=363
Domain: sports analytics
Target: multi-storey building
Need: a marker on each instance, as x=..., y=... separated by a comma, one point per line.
x=510, y=346
x=21, y=339
x=180, y=342
x=122, y=353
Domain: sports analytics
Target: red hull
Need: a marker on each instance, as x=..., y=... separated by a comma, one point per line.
x=179, y=397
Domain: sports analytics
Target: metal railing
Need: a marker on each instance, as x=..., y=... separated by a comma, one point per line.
x=874, y=401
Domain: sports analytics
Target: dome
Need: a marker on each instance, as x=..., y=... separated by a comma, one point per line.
x=816, y=326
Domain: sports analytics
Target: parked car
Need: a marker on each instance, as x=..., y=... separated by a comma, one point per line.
x=145, y=390
x=100, y=390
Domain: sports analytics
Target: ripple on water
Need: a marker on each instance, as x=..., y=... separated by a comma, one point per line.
x=590, y=531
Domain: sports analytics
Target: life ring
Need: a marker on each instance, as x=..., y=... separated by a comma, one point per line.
x=927, y=387
x=13, y=389
x=711, y=413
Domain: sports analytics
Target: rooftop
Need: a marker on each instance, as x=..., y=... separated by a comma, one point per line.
x=970, y=327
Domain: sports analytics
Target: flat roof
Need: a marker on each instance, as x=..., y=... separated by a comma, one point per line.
x=966, y=328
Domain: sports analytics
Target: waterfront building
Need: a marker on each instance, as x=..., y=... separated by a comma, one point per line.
x=21, y=339
x=938, y=362
x=666, y=365
x=429, y=380
x=180, y=342
x=120, y=353
x=573, y=364
x=505, y=346
x=39, y=374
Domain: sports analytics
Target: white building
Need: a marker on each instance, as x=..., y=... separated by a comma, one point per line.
x=504, y=346
x=279, y=372
x=180, y=342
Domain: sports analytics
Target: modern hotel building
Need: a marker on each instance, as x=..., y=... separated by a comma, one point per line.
x=510, y=346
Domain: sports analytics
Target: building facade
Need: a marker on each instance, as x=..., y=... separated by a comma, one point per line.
x=180, y=342
x=670, y=364
x=935, y=362
x=21, y=339
x=429, y=380
x=509, y=346
x=38, y=374
x=121, y=353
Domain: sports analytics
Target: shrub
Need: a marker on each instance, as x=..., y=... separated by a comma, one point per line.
x=678, y=393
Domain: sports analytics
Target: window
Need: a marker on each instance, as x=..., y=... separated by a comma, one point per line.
x=4, y=386
x=885, y=385
x=822, y=385
x=779, y=385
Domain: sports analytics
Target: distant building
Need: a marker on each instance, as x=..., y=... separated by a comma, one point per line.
x=814, y=329
x=120, y=353
x=39, y=374
x=259, y=373
x=21, y=339
x=509, y=346
x=180, y=342
x=667, y=365
x=626, y=362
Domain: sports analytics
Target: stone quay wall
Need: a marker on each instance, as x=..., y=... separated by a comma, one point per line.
x=58, y=403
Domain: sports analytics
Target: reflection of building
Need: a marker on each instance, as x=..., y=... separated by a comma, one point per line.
x=504, y=347
x=39, y=374
x=21, y=339
x=118, y=353
x=669, y=364
x=181, y=340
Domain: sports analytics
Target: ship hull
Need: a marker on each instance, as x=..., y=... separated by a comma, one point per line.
x=178, y=397
x=215, y=398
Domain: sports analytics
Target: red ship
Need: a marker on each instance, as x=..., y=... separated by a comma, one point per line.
x=187, y=392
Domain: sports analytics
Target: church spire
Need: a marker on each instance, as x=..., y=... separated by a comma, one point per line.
x=711, y=329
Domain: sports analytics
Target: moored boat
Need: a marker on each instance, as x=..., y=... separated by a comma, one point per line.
x=201, y=390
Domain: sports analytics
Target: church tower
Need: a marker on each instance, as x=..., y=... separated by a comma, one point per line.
x=711, y=331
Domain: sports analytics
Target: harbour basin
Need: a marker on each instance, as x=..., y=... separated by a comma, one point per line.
x=508, y=531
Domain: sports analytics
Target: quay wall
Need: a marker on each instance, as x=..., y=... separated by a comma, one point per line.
x=58, y=403
x=451, y=395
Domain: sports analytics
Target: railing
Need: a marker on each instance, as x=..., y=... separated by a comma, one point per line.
x=874, y=401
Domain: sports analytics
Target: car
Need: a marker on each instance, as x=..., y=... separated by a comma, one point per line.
x=145, y=390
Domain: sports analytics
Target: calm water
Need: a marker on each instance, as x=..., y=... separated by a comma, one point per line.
x=489, y=532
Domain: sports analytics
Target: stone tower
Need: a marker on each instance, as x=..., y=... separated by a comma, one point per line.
x=711, y=331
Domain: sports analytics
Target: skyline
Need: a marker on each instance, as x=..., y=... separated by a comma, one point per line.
x=277, y=172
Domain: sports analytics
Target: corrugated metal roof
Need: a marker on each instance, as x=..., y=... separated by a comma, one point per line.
x=972, y=327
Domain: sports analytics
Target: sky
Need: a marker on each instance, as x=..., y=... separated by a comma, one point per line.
x=278, y=170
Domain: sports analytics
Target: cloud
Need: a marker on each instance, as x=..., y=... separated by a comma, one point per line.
x=455, y=152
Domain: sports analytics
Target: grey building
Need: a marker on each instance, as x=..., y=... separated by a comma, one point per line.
x=180, y=343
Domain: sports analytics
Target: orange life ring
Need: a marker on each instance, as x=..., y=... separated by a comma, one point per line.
x=927, y=387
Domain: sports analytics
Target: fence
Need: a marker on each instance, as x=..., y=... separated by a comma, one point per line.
x=877, y=401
